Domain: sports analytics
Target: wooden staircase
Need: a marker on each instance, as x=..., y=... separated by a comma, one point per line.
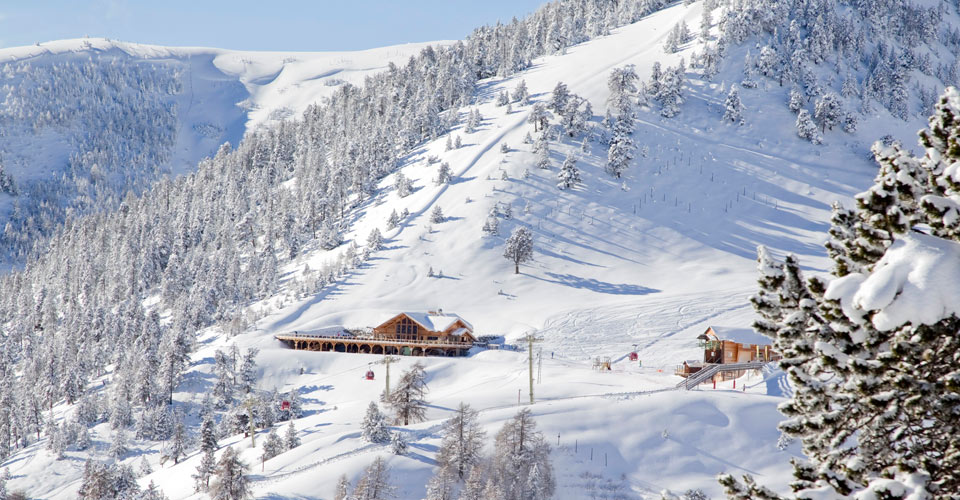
x=709, y=371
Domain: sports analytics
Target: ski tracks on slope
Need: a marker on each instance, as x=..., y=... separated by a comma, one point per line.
x=651, y=324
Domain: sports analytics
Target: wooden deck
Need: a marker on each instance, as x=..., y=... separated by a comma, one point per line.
x=373, y=344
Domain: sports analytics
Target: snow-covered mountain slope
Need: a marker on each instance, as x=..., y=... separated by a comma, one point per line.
x=86, y=120
x=651, y=259
x=680, y=229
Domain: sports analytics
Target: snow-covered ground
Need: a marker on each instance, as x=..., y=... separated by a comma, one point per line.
x=651, y=259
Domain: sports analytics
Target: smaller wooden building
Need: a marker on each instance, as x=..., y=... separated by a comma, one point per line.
x=726, y=345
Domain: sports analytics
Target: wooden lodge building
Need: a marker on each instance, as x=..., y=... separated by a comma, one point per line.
x=431, y=333
x=723, y=345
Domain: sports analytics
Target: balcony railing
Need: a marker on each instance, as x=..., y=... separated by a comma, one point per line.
x=380, y=339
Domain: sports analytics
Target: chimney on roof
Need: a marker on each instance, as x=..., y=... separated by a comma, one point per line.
x=439, y=312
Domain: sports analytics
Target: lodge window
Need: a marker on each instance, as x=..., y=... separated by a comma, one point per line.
x=407, y=329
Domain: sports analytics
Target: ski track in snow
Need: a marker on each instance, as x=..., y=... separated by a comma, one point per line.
x=652, y=324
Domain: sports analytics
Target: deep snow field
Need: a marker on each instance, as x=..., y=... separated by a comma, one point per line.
x=651, y=259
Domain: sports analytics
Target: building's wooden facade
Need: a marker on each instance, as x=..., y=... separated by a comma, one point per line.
x=409, y=333
x=729, y=345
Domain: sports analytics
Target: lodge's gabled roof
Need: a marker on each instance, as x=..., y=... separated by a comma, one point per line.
x=744, y=336
x=434, y=321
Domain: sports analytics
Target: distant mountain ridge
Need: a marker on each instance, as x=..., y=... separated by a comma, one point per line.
x=86, y=120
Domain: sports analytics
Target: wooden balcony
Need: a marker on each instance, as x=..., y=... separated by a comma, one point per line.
x=373, y=344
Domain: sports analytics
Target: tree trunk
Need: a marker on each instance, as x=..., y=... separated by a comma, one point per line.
x=516, y=268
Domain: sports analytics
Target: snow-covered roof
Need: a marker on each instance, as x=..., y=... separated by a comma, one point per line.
x=436, y=322
x=460, y=331
x=693, y=362
x=740, y=335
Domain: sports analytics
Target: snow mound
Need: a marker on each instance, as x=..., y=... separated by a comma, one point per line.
x=915, y=282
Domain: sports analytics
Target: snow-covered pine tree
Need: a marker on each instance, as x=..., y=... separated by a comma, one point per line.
x=677, y=36
x=749, y=71
x=342, y=488
x=539, y=116
x=766, y=302
x=402, y=185
x=879, y=374
x=569, y=174
x=850, y=122
x=622, y=84
x=733, y=108
x=153, y=493
x=375, y=240
x=849, y=87
x=558, y=98
x=144, y=468
x=440, y=486
x=473, y=487
x=520, y=93
x=374, y=426
x=273, y=446
x=6, y=182
x=4, y=477
x=178, y=441
x=461, y=445
x=407, y=399
x=503, y=98
x=505, y=210
x=473, y=121
x=208, y=434
x=797, y=99
x=706, y=22
x=620, y=152
x=205, y=470
x=118, y=445
x=828, y=111
x=231, y=481
x=457, y=143
x=444, y=174
x=375, y=483
x=491, y=226
x=393, y=220
x=436, y=216
x=223, y=388
x=290, y=438
x=543, y=152
x=519, y=247
x=398, y=443
x=83, y=438
x=97, y=483
x=806, y=129
x=670, y=93
x=519, y=452
x=840, y=244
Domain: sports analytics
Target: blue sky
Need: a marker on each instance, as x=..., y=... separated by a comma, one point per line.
x=253, y=25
